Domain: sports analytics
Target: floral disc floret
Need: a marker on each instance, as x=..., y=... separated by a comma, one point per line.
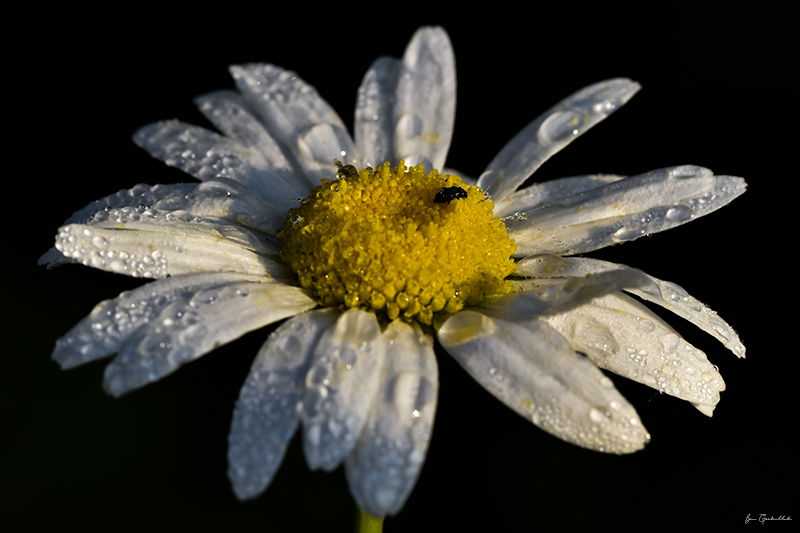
x=379, y=240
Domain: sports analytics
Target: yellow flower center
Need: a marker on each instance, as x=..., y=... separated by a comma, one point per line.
x=398, y=241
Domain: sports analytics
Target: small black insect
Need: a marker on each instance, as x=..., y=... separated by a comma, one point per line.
x=345, y=171
x=448, y=194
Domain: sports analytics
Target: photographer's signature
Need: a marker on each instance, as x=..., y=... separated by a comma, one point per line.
x=764, y=518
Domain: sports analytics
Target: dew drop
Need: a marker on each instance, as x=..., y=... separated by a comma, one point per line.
x=670, y=342
x=647, y=325
x=628, y=233
x=348, y=357
x=679, y=213
x=317, y=375
x=289, y=344
x=607, y=107
x=559, y=126
x=315, y=397
x=596, y=416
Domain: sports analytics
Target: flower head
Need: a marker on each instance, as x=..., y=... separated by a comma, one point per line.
x=382, y=254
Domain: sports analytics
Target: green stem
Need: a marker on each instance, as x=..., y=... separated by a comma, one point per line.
x=368, y=524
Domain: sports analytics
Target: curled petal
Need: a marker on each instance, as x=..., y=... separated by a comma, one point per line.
x=112, y=322
x=340, y=387
x=188, y=329
x=541, y=194
x=562, y=294
x=268, y=409
x=621, y=335
x=298, y=118
x=384, y=466
x=664, y=293
x=535, y=372
x=551, y=132
x=623, y=211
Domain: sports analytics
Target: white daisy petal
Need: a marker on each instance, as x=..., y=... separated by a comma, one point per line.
x=535, y=372
x=555, y=295
x=207, y=155
x=676, y=299
x=341, y=385
x=189, y=328
x=374, y=118
x=138, y=195
x=541, y=194
x=147, y=243
x=296, y=116
x=233, y=117
x=425, y=101
x=220, y=198
x=664, y=293
x=551, y=132
x=111, y=322
x=227, y=199
x=621, y=335
x=385, y=464
x=623, y=211
x=268, y=409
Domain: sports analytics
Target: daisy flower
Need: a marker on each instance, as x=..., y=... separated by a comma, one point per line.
x=371, y=249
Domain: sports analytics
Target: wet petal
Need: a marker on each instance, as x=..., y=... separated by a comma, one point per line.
x=622, y=211
x=187, y=329
x=535, y=372
x=233, y=117
x=226, y=199
x=207, y=155
x=297, y=117
x=664, y=293
x=385, y=464
x=551, y=132
x=621, y=335
x=145, y=242
x=268, y=409
x=341, y=386
x=140, y=194
x=374, y=121
x=406, y=109
x=555, y=295
x=541, y=194
x=425, y=106
x=112, y=322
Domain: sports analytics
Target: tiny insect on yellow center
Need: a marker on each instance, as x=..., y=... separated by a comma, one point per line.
x=398, y=241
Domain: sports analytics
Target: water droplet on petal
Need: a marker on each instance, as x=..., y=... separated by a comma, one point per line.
x=679, y=213
x=560, y=125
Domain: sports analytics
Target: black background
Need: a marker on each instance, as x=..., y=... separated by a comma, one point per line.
x=716, y=94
